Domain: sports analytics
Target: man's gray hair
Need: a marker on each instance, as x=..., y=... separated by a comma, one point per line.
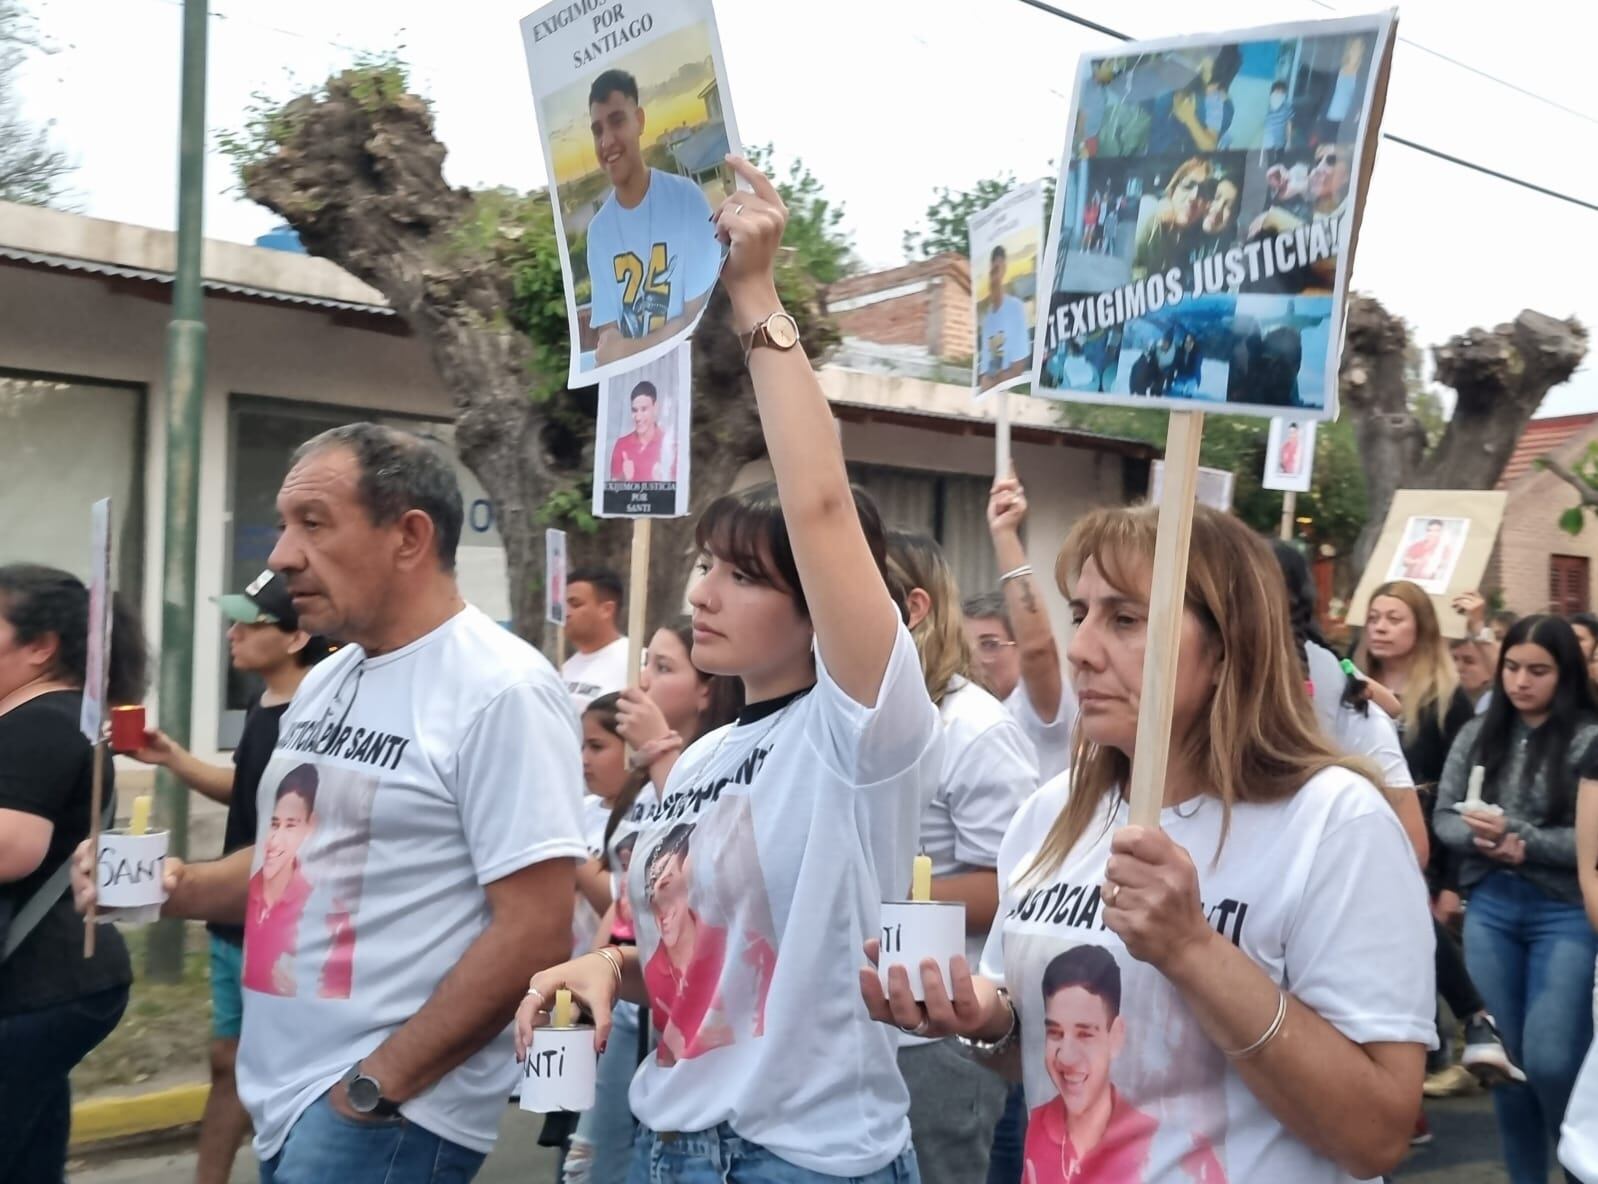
x=989, y=606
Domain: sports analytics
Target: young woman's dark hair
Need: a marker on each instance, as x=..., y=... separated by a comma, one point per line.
x=1574, y=702
x=1301, y=614
x=39, y=602
x=747, y=530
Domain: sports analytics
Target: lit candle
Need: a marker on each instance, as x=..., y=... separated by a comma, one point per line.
x=141, y=815
x=563, y=1008
x=1478, y=774
x=921, y=882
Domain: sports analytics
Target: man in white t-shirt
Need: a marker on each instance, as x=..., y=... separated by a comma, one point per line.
x=652, y=249
x=1005, y=340
x=430, y=774
x=598, y=665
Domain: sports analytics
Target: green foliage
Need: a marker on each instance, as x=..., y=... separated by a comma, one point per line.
x=572, y=506
x=947, y=216
x=31, y=170
x=1335, y=504
x=1572, y=520
x=821, y=248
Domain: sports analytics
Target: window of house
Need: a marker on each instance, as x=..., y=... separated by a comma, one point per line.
x=65, y=443
x=951, y=507
x=1569, y=584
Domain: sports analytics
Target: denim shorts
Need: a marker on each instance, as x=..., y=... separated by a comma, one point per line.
x=227, y=995
x=721, y=1157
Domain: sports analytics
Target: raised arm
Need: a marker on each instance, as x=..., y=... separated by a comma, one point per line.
x=1041, y=673
x=854, y=618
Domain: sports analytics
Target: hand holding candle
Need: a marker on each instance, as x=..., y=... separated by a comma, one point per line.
x=919, y=929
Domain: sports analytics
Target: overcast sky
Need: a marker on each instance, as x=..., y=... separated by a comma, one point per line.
x=887, y=99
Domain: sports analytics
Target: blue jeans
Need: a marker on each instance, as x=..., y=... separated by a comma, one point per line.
x=609, y=1127
x=38, y=1051
x=721, y=1157
x=324, y=1145
x=1531, y=958
x=1009, y=1140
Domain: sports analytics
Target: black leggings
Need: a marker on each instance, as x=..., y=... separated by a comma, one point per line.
x=1453, y=980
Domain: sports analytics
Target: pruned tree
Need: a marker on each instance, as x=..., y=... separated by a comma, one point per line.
x=1500, y=377
x=945, y=222
x=32, y=171
x=356, y=169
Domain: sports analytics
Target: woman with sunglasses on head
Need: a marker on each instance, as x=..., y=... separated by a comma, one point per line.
x=763, y=868
x=1243, y=993
x=1507, y=808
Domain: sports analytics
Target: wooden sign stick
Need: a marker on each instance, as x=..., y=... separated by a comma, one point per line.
x=96, y=796
x=1001, y=436
x=1167, y=603
x=638, y=598
x=1289, y=514
x=560, y=646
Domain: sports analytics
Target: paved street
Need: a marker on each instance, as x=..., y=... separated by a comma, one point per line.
x=1465, y=1152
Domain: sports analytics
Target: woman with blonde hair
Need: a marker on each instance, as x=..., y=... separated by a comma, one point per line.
x=1166, y=239
x=1243, y=993
x=987, y=772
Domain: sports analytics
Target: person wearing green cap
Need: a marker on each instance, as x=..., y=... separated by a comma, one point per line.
x=264, y=639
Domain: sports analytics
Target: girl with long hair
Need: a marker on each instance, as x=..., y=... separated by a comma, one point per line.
x=1528, y=942
x=988, y=771
x=1244, y=993
x=776, y=839
x=55, y=1005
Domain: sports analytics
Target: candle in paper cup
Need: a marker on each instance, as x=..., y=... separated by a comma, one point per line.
x=140, y=821
x=131, y=867
x=914, y=930
x=921, y=881
x=560, y=1069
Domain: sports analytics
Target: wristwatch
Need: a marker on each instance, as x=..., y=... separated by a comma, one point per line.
x=366, y=1096
x=992, y=1048
x=779, y=331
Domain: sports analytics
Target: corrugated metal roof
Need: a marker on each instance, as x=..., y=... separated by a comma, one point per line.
x=96, y=267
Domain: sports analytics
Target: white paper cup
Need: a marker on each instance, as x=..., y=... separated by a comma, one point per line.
x=558, y=1074
x=130, y=869
x=914, y=930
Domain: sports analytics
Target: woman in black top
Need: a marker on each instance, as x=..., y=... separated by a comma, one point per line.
x=55, y=1005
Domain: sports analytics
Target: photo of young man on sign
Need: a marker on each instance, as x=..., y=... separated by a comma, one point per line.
x=1006, y=240
x=641, y=448
x=635, y=124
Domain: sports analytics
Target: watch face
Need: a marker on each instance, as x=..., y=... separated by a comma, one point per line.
x=364, y=1094
x=782, y=331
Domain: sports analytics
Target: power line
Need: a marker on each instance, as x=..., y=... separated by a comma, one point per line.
x=1074, y=18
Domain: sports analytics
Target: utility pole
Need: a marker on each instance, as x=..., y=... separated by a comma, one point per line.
x=185, y=399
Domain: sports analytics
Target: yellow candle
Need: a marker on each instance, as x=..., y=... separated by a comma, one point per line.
x=563, y=1008
x=1478, y=775
x=141, y=815
x=921, y=882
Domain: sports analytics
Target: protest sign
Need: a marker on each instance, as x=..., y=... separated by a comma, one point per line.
x=1439, y=539
x=1006, y=242
x=91, y=717
x=1199, y=251
x=641, y=440
x=555, y=577
x=1213, y=488
x=635, y=124
x=1290, y=455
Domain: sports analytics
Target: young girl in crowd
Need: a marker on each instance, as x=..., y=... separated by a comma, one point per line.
x=988, y=771
x=761, y=871
x=1528, y=942
x=673, y=704
x=55, y=1005
x=1244, y=993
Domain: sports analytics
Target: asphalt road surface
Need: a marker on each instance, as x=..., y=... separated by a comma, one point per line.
x=1465, y=1151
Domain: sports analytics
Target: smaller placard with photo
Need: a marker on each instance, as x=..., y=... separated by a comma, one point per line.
x=555, y=577
x=1429, y=551
x=1214, y=487
x=1290, y=455
x=1006, y=243
x=641, y=441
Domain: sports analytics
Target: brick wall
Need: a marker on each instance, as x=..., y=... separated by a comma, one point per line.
x=959, y=330
x=900, y=321
x=1530, y=535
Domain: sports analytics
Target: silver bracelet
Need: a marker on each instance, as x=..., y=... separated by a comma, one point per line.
x=1258, y=1046
x=1015, y=574
x=992, y=1048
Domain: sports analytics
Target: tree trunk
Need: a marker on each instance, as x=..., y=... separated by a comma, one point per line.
x=1500, y=376
x=359, y=175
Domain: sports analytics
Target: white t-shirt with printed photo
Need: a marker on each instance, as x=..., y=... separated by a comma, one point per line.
x=401, y=785
x=646, y=262
x=1051, y=740
x=754, y=883
x=1321, y=890
x=603, y=672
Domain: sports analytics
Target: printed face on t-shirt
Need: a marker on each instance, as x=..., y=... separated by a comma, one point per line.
x=1080, y=1039
x=617, y=123
x=668, y=900
x=292, y=821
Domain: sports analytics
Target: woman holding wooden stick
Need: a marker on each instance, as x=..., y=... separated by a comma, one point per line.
x=760, y=872
x=1244, y=993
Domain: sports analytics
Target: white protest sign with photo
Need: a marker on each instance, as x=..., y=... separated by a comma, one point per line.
x=1207, y=209
x=555, y=577
x=1290, y=455
x=1214, y=487
x=97, y=668
x=1006, y=243
x=635, y=124
x=641, y=440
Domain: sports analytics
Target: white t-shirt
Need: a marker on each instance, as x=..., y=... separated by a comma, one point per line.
x=1005, y=338
x=1370, y=734
x=585, y=921
x=768, y=858
x=435, y=770
x=645, y=262
x=603, y=672
x=1321, y=891
x=1051, y=741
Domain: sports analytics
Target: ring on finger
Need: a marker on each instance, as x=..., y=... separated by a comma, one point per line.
x=1111, y=891
x=738, y=208
x=534, y=991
